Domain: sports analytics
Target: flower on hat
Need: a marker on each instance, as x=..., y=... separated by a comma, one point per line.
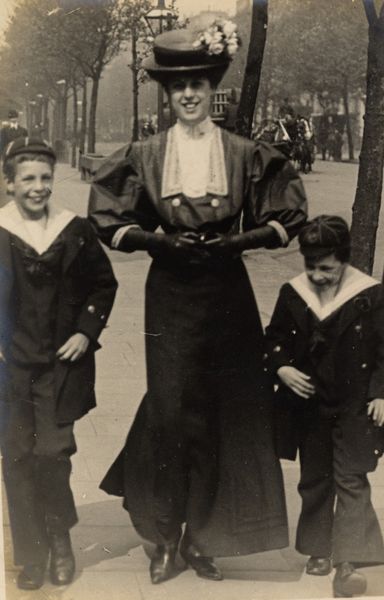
x=220, y=38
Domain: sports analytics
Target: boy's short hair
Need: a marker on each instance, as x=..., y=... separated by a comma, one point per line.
x=23, y=149
x=325, y=235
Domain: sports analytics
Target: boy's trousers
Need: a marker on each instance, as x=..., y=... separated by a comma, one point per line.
x=36, y=464
x=337, y=517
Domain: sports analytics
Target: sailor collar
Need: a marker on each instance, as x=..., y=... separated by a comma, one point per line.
x=354, y=282
x=13, y=221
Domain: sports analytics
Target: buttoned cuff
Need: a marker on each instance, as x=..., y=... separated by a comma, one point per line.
x=281, y=232
x=120, y=233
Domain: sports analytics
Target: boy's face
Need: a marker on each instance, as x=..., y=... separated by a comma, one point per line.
x=324, y=272
x=32, y=187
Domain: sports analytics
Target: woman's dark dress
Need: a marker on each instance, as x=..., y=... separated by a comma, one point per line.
x=200, y=449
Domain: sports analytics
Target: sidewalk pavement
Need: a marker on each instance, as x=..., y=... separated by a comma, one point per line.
x=111, y=561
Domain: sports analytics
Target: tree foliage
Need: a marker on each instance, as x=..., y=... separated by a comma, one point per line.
x=313, y=48
x=66, y=40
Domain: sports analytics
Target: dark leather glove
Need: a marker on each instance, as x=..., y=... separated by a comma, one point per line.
x=226, y=246
x=180, y=245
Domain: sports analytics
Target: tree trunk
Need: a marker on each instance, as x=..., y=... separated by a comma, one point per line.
x=92, y=114
x=84, y=108
x=64, y=112
x=135, y=88
x=366, y=208
x=252, y=68
x=74, y=127
x=348, y=118
x=46, y=131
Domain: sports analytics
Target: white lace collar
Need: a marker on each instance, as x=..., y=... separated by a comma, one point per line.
x=13, y=221
x=354, y=282
x=206, y=127
x=212, y=177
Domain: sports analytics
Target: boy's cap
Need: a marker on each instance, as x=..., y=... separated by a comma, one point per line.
x=23, y=145
x=12, y=114
x=323, y=235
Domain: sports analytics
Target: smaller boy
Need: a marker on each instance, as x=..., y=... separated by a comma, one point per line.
x=325, y=343
x=56, y=291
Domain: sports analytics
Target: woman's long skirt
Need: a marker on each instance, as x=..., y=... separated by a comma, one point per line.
x=200, y=450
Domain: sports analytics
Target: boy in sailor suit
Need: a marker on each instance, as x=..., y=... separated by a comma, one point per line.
x=56, y=291
x=325, y=343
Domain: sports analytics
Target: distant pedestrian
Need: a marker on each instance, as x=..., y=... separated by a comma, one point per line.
x=57, y=289
x=11, y=131
x=325, y=343
x=322, y=135
x=338, y=146
x=286, y=109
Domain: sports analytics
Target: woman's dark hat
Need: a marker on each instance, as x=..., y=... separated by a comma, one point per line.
x=13, y=114
x=179, y=51
x=28, y=145
x=323, y=236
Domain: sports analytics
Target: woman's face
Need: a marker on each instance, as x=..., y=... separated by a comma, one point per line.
x=190, y=98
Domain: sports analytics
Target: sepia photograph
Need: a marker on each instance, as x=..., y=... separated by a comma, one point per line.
x=191, y=299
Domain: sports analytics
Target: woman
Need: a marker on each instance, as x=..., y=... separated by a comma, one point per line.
x=199, y=451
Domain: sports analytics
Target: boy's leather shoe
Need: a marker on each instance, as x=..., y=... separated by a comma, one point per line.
x=203, y=565
x=318, y=566
x=348, y=582
x=62, y=566
x=162, y=565
x=31, y=577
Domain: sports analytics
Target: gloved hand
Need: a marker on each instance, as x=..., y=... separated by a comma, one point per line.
x=227, y=246
x=181, y=245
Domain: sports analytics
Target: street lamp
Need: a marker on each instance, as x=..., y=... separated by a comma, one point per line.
x=159, y=19
x=158, y=16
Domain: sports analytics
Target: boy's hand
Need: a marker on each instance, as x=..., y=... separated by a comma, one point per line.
x=2, y=357
x=297, y=381
x=74, y=347
x=376, y=411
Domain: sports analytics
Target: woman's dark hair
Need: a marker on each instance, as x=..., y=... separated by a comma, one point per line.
x=325, y=235
x=213, y=74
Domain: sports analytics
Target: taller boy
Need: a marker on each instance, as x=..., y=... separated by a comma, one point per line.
x=56, y=292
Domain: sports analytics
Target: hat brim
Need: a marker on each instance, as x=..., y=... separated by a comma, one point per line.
x=151, y=66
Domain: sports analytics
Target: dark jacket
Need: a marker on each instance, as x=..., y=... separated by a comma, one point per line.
x=86, y=294
x=9, y=134
x=358, y=367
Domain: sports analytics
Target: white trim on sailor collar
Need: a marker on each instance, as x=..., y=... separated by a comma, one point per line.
x=13, y=221
x=354, y=282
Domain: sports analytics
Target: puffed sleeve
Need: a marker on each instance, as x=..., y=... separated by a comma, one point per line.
x=275, y=194
x=118, y=197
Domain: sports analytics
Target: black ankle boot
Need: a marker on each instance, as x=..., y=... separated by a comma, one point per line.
x=348, y=582
x=162, y=565
x=31, y=577
x=318, y=566
x=203, y=565
x=62, y=566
